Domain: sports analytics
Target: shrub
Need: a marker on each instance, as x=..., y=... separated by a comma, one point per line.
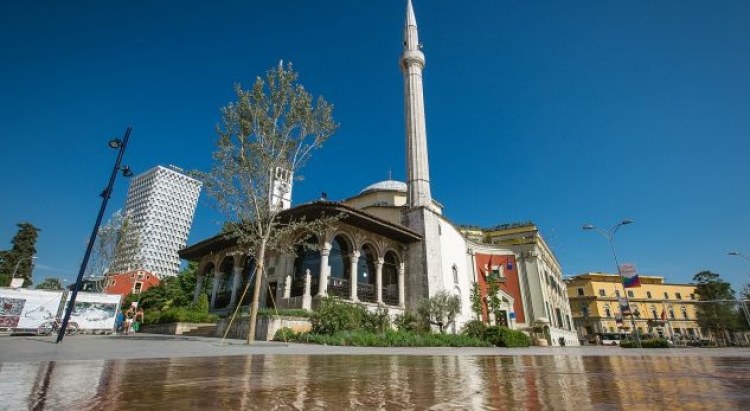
x=409, y=322
x=284, y=334
x=335, y=316
x=475, y=329
x=270, y=312
x=392, y=338
x=505, y=337
x=201, y=305
x=180, y=314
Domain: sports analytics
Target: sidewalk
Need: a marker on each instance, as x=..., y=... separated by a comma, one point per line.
x=144, y=346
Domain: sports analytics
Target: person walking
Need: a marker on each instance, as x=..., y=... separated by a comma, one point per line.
x=129, y=315
x=138, y=319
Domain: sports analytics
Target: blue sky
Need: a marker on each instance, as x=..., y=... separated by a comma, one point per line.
x=562, y=113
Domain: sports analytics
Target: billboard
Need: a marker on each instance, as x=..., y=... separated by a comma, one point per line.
x=22, y=308
x=94, y=311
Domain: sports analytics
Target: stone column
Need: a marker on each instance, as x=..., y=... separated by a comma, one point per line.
x=287, y=286
x=218, y=276
x=198, y=287
x=354, y=259
x=325, y=251
x=401, y=290
x=379, y=280
x=236, y=284
x=307, y=297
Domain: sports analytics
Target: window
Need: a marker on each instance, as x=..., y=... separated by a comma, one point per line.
x=455, y=274
x=617, y=293
x=607, y=311
x=678, y=296
x=684, y=312
x=137, y=287
x=671, y=314
x=580, y=292
x=666, y=295
x=648, y=294
x=631, y=294
x=692, y=297
x=602, y=293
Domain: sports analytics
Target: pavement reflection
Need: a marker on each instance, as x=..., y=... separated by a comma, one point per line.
x=383, y=382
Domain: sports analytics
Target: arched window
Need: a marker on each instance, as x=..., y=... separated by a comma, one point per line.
x=455, y=274
x=339, y=261
x=390, y=278
x=607, y=311
x=307, y=258
x=683, y=309
x=366, y=274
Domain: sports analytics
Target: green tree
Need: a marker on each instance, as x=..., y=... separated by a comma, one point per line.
x=264, y=140
x=18, y=258
x=718, y=316
x=50, y=284
x=171, y=292
x=493, y=297
x=476, y=300
x=441, y=309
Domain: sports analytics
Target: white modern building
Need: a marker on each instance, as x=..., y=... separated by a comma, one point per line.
x=160, y=207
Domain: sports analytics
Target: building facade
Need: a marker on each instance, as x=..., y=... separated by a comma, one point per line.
x=395, y=247
x=134, y=282
x=159, y=209
x=658, y=308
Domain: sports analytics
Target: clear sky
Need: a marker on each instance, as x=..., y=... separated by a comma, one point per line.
x=562, y=113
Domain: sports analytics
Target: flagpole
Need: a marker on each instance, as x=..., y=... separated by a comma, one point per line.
x=609, y=235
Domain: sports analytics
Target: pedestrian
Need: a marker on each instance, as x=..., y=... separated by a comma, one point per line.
x=129, y=315
x=138, y=319
x=598, y=339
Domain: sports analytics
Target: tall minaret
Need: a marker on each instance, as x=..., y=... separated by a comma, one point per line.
x=424, y=258
x=418, y=168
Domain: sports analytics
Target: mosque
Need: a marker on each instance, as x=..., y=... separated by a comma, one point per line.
x=395, y=247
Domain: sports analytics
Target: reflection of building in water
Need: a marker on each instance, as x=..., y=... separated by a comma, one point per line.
x=395, y=247
x=663, y=309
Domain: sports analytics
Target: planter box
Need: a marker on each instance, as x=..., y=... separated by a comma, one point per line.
x=173, y=328
x=265, y=329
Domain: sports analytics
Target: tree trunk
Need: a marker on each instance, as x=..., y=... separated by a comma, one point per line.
x=260, y=269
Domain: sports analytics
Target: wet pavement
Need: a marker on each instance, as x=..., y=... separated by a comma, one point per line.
x=184, y=373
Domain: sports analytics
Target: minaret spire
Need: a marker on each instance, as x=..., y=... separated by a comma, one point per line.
x=417, y=164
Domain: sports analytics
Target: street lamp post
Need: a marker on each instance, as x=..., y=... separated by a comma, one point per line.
x=610, y=235
x=114, y=144
x=18, y=264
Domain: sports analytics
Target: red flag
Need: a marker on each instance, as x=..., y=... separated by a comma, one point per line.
x=663, y=315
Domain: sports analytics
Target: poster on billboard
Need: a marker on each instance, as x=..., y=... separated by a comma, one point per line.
x=21, y=308
x=94, y=311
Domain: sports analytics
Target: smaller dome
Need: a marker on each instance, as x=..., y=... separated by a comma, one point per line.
x=387, y=185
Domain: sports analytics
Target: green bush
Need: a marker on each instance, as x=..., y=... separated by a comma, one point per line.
x=409, y=322
x=391, y=338
x=201, y=305
x=505, y=337
x=270, y=312
x=335, y=316
x=475, y=329
x=284, y=334
x=181, y=314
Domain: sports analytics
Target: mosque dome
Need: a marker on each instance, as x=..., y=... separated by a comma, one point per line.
x=387, y=185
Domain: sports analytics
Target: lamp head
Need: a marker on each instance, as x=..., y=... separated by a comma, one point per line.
x=126, y=172
x=588, y=227
x=115, y=143
x=626, y=222
x=733, y=253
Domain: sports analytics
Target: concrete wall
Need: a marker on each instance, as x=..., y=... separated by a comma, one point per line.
x=266, y=327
